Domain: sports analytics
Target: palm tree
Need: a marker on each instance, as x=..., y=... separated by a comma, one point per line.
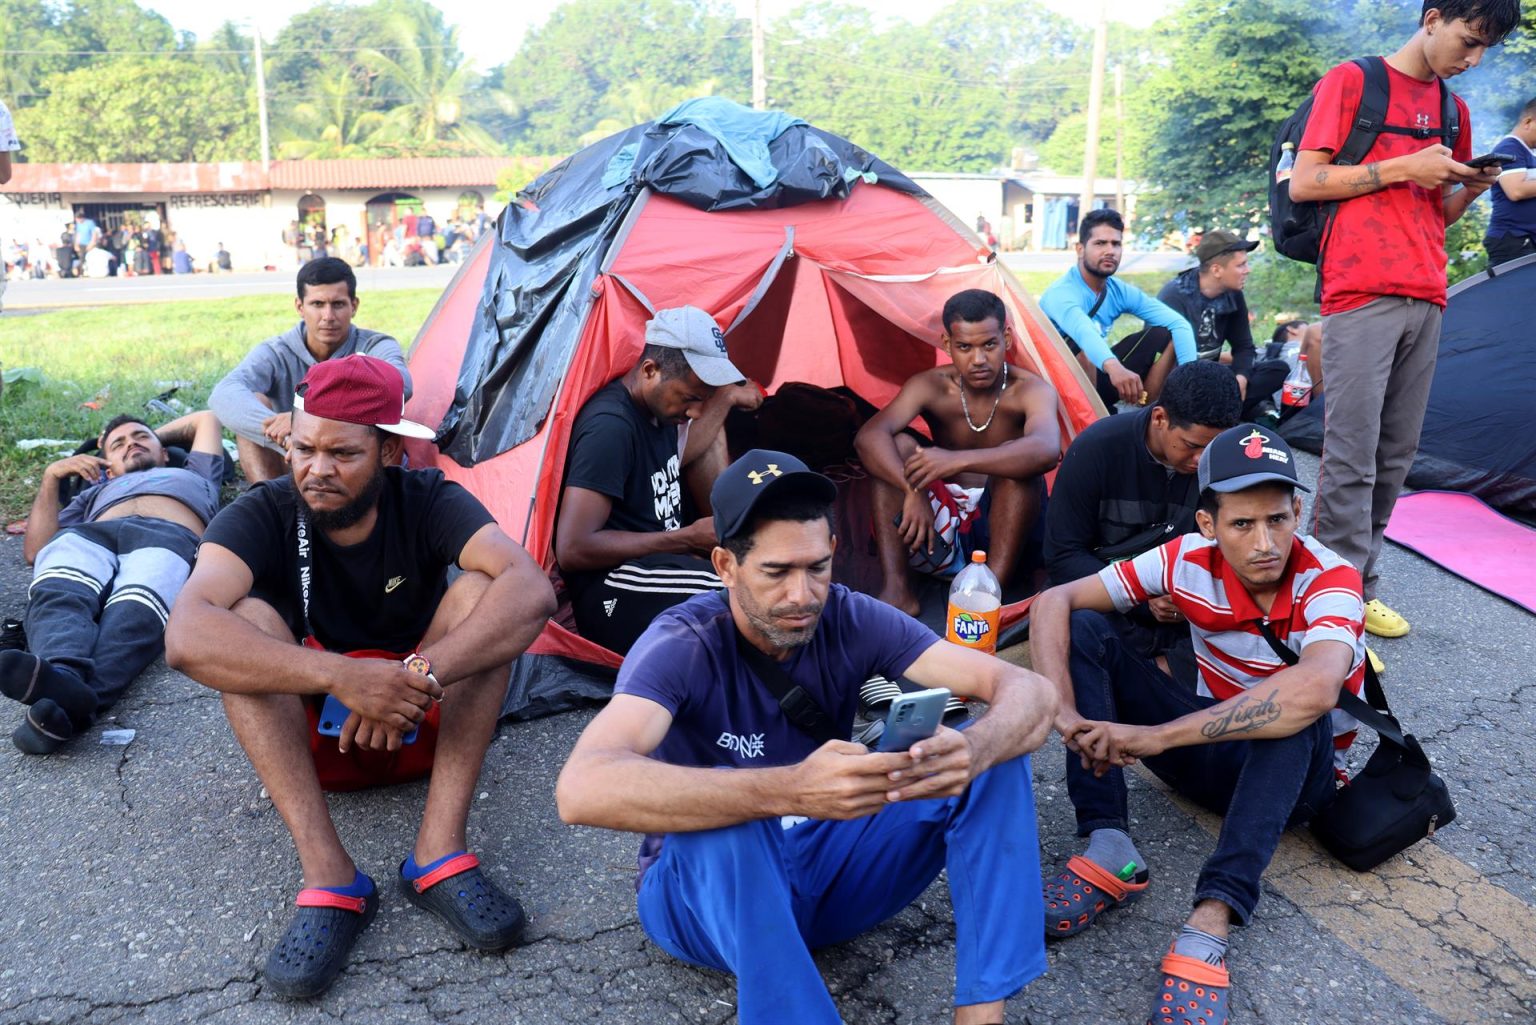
x=333, y=125
x=429, y=79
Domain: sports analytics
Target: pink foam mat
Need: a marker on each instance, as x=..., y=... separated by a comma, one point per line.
x=1464, y=535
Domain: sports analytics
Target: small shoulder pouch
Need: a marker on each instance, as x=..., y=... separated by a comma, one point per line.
x=1392, y=803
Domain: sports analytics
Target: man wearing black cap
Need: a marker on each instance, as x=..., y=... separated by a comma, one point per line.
x=764, y=840
x=645, y=451
x=1210, y=297
x=1260, y=740
x=320, y=608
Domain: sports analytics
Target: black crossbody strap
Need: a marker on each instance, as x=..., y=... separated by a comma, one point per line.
x=1379, y=719
x=1102, y=296
x=802, y=710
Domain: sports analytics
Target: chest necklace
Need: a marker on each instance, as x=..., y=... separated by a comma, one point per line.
x=965, y=407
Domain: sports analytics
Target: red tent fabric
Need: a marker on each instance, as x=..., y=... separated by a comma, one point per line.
x=838, y=292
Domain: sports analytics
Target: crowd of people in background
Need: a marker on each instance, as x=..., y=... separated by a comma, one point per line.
x=136, y=248
x=409, y=237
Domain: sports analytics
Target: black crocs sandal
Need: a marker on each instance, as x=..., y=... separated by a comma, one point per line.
x=320, y=936
x=477, y=910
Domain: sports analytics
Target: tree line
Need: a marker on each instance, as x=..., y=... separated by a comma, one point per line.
x=979, y=82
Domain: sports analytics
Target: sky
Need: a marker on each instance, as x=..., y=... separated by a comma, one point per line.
x=490, y=33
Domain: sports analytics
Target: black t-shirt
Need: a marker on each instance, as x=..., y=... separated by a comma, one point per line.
x=1215, y=321
x=619, y=451
x=379, y=593
x=1109, y=491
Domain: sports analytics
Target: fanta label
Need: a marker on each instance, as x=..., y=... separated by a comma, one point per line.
x=974, y=629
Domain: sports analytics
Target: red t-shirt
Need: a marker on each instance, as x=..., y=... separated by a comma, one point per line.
x=1391, y=241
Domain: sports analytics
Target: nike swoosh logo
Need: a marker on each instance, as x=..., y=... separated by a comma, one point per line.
x=396, y=582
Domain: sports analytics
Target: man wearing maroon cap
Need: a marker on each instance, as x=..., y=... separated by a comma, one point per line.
x=321, y=609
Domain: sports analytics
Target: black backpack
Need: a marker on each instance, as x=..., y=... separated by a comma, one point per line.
x=1300, y=230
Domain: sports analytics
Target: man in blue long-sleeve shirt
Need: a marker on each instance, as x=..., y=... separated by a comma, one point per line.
x=1086, y=301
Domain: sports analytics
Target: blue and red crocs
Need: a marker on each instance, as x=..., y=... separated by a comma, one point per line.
x=477, y=910
x=314, y=949
x=1193, y=992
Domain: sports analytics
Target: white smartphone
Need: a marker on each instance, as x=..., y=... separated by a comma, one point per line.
x=913, y=717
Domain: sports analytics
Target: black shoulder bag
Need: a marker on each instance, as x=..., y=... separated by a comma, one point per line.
x=802, y=710
x=1392, y=803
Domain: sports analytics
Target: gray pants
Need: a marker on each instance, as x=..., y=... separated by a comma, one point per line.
x=1380, y=361
x=100, y=597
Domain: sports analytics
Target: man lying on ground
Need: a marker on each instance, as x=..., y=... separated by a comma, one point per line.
x=765, y=842
x=995, y=434
x=333, y=581
x=1084, y=304
x=1260, y=740
x=645, y=451
x=106, y=569
x=1210, y=297
x=255, y=400
x=1127, y=485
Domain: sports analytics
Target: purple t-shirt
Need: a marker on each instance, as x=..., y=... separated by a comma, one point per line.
x=722, y=716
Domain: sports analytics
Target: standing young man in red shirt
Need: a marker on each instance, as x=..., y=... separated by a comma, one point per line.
x=1383, y=270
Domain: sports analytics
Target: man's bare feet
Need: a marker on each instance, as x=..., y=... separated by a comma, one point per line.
x=901, y=598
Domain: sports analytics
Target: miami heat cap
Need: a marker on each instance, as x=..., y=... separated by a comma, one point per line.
x=1245, y=455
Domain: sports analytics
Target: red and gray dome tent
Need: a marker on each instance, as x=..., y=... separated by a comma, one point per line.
x=822, y=263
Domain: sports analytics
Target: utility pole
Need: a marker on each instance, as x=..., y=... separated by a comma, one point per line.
x=1095, y=106
x=1120, y=138
x=261, y=104
x=759, y=59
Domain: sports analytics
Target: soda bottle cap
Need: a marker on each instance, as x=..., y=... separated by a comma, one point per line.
x=978, y=556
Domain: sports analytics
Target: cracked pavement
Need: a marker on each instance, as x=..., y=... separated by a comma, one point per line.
x=148, y=882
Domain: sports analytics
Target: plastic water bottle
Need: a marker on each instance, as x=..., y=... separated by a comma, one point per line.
x=1287, y=165
x=975, y=606
x=1297, y=390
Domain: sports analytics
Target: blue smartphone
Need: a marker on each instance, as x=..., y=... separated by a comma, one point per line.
x=333, y=716
x=913, y=717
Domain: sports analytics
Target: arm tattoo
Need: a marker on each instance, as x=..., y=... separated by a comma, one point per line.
x=1245, y=715
x=1322, y=178
x=1370, y=181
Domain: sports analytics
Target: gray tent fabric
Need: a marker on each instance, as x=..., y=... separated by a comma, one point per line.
x=1477, y=434
x=552, y=242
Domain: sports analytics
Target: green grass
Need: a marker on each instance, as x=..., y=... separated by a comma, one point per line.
x=127, y=349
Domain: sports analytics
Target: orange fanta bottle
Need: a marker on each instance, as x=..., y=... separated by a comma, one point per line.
x=975, y=605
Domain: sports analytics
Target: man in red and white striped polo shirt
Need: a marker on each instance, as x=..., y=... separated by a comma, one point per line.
x=1257, y=742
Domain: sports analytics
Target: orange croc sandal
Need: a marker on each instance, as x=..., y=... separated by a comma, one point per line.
x=1084, y=891
x=1193, y=992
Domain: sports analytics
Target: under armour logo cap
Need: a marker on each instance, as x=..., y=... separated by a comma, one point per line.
x=752, y=478
x=1242, y=456
x=703, y=343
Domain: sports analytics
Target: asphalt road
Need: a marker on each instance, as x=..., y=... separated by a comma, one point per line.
x=32, y=295
x=146, y=883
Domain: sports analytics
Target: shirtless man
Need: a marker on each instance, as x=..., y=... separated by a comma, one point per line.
x=995, y=432
x=106, y=569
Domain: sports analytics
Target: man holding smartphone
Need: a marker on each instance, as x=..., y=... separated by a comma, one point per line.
x=334, y=581
x=1383, y=269
x=764, y=842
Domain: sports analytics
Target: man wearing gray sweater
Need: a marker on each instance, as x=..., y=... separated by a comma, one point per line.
x=255, y=400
